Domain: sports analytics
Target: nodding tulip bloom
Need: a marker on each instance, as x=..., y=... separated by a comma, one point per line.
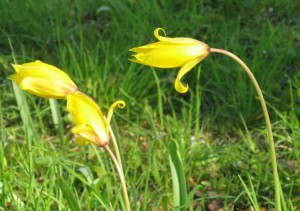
x=91, y=124
x=43, y=80
x=172, y=52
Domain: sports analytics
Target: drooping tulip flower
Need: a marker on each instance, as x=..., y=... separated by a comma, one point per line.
x=91, y=124
x=43, y=80
x=172, y=52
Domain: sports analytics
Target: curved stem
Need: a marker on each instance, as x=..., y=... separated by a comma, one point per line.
x=267, y=120
x=116, y=148
x=121, y=176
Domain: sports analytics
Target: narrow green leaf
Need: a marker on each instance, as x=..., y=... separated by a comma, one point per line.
x=159, y=98
x=85, y=182
x=283, y=201
x=178, y=177
x=250, y=193
x=68, y=194
x=21, y=101
x=57, y=120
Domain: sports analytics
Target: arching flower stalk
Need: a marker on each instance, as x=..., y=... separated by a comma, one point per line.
x=186, y=53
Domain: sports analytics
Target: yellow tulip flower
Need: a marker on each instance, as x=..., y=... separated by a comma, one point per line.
x=91, y=124
x=172, y=52
x=43, y=80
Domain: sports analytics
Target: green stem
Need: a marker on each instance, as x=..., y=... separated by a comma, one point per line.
x=121, y=176
x=116, y=148
x=267, y=120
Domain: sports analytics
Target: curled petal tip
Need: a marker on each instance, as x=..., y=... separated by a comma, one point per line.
x=185, y=68
x=156, y=33
x=120, y=104
x=180, y=87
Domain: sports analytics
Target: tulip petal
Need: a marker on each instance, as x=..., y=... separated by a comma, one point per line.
x=43, y=80
x=169, y=52
x=147, y=48
x=44, y=87
x=176, y=40
x=80, y=128
x=170, y=56
x=90, y=121
x=86, y=132
x=39, y=68
x=81, y=141
x=120, y=103
x=172, y=52
x=79, y=102
x=186, y=68
x=16, y=78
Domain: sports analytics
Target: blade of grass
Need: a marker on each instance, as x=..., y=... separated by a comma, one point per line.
x=3, y=162
x=57, y=120
x=21, y=101
x=29, y=131
x=250, y=193
x=68, y=194
x=84, y=181
x=159, y=99
x=198, y=104
x=178, y=177
x=29, y=190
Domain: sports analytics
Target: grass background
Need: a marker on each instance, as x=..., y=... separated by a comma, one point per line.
x=218, y=124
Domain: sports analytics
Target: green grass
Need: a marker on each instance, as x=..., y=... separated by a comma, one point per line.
x=218, y=124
